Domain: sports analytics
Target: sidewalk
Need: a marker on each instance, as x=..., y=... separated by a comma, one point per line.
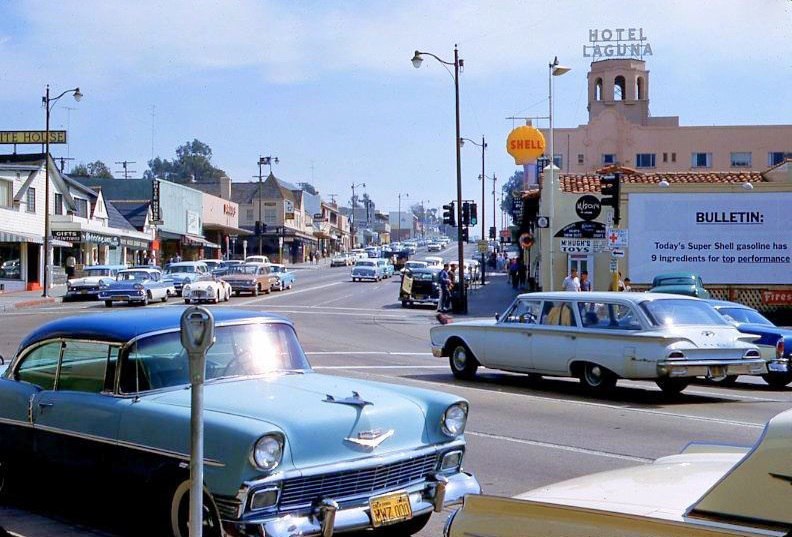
x=492, y=298
x=30, y=299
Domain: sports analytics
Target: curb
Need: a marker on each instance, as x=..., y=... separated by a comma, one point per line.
x=31, y=303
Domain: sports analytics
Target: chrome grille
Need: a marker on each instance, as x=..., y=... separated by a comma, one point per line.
x=229, y=507
x=305, y=490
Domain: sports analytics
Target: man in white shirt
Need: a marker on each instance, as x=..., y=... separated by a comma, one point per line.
x=571, y=282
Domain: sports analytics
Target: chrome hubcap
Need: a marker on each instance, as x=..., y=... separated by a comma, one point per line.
x=594, y=375
x=460, y=358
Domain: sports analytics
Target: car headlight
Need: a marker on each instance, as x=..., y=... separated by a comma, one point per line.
x=268, y=451
x=454, y=419
x=138, y=286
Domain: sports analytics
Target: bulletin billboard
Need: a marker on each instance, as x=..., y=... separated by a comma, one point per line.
x=726, y=238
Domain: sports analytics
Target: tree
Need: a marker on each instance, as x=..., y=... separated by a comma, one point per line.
x=308, y=187
x=193, y=161
x=93, y=169
x=515, y=183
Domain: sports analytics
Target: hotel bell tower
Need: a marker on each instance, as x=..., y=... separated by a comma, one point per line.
x=620, y=85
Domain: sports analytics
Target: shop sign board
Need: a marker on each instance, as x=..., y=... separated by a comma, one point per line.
x=67, y=235
x=582, y=230
x=156, y=212
x=32, y=137
x=98, y=238
x=577, y=246
x=525, y=144
x=588, y=207
x=726, y=238
x=780, y=297
x=617, y=238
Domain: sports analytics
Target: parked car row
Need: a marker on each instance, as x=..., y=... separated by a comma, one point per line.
x=192, y=280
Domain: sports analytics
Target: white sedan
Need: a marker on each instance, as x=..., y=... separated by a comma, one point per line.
x=213, y=290
x=602, y=337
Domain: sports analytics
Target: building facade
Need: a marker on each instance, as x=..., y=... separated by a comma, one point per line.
x=622, y=131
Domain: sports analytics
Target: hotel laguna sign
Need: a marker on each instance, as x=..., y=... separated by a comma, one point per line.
x=617, y=43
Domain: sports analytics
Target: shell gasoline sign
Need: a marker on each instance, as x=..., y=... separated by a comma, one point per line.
x=525, y=144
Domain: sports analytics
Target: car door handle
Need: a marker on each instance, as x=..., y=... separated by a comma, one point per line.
x=46, y=405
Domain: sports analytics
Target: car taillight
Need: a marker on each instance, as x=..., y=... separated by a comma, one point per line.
x=780, y=348
x=752, y=353
x=676, y=355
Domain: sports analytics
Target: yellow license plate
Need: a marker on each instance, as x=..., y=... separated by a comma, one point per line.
x=390, y=509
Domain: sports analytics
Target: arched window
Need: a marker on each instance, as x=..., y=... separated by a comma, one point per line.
x=619, y=89
x=598, y=89
x=640, y=88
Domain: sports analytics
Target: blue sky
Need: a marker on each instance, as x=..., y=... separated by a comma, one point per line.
x=328, y=87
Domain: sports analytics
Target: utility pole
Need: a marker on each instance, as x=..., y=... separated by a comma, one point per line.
x=259, y=227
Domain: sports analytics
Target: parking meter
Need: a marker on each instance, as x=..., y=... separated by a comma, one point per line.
x=197, y=335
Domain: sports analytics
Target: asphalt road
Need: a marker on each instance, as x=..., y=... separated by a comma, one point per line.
x=520, y=434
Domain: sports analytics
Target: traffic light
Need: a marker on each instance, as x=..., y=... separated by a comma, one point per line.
x=473, y=214
x=465, y=234
x=263, y=228
x=492, y=232
x=448, y=215
x=258, y=227
x=465, y=214
x=610, y=188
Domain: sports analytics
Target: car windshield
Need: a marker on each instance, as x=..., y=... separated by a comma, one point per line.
x=133, y=275
x=160, y=361
x=243, y=269
x=181, y=268
x=275, y=268
x=366, y=263
x=744, y=315
x=94, y=272
x=424, y=276
x=672, y=312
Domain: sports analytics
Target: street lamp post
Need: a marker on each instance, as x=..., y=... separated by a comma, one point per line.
x=263, y=161
x=48, y=104
x=353, y=221
x=398, y=218
x=554, y=69
x=457, y=63
x=494, y=227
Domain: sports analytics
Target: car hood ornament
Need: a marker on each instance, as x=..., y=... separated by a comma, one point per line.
x=355, y=400
x=370, y=439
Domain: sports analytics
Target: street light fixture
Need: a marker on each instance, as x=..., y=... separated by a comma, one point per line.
x=554, y=69
x=398, y=217
x=263, y=161
x=48, y=104
x=458, y=64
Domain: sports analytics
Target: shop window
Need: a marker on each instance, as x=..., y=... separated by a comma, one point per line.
x=608, y=158
x=701, y=160
x=6, y=194
x=270, y=215
x=250, y=215
x=741, y=159
x=645, y=160
x=580, y=158
x=558, y=160
x=10, y=266
x=58, y=203
x=31, y=200
x=81, y=207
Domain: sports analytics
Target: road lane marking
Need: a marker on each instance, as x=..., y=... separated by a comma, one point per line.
x=384, y=353
x=562, y=447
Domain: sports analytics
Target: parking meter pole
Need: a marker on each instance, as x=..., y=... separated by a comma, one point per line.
x=197, y=335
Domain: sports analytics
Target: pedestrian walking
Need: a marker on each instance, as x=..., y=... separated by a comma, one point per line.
x=444, y=304
x=513, y=278
x=571, y=282
x=627, y=286
x=585, y=283
x=522, y=271
x=71, y=263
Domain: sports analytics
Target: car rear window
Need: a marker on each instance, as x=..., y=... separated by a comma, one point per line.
x=672, y=312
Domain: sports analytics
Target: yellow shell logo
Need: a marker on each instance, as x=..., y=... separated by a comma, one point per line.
x=525, y=144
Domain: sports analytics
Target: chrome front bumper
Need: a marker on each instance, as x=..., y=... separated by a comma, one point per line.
x=327, y=517
x=437, y=351
x=711, y=368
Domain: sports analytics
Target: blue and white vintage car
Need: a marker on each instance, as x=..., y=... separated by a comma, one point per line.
x=774, y=343
x=285, y=276
x=138, y=285
x=106, y=398
x=367, y=269
x=87, y=285
x=186, y=272
x=387, y=267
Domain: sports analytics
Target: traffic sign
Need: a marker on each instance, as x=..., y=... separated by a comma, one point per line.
x=483, y=247
x=614, y=265
x=617, y=238
x=617, y=253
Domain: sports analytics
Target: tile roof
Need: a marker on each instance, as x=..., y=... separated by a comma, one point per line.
x=581, y=183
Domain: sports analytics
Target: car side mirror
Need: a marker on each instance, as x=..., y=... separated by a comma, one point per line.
x=497, y=316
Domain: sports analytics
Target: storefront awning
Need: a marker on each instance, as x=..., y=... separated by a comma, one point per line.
x=8, y=236
x=188, y=239
x=228, y=230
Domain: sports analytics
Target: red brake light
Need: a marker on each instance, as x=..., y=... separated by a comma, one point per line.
x=780, y=348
